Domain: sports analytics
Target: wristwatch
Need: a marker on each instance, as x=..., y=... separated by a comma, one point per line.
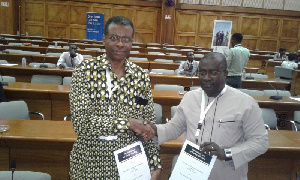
x=228, y=154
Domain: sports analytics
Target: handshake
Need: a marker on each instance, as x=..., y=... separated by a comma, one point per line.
x=145, y=130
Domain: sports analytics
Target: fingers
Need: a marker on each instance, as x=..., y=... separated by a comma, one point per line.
x=143, y=129
x=209, y=148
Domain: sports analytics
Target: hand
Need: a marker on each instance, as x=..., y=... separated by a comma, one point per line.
x=212, y=148
x=139, y=128
x=155, y=175
x=153, y=126
x=62, y=66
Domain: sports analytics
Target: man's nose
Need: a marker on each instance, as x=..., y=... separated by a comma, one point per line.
x=206, y=77
x=120, y=42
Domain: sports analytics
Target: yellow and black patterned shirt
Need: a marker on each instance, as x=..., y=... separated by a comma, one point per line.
x=94, y=114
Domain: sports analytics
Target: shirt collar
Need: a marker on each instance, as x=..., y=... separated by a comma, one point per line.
x=237, y=45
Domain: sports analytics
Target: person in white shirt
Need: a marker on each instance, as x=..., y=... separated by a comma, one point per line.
x=280, y=55
x=290, y=63
x=70, y=59
x=190, y=66
x=230, y=126
x=237, y=59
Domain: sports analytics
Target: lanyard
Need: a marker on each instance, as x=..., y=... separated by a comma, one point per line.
x=110, y=89
x=204, y=111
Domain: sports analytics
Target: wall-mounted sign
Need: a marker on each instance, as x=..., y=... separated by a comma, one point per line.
x=94, y=26
x=5, y=4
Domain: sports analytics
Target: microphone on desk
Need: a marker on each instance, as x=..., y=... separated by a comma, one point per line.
x=44, y=65
x=275, y=97
x=12, y=167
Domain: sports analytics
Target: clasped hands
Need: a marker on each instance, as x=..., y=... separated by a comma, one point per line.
x=145, y=130
x=211, y=148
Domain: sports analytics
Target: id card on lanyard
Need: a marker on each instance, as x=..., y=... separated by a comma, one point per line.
x=205, y=110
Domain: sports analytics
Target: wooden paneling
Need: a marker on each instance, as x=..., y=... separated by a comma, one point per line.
x=250, y=25
x=270, y=27
x=123, y=11
x=206, y=24
x=290, y=28
x=186, y=22
x=268, y=45
x=78, y=32
x=290, y=45
x=34, y=11
x=78, y=13
x=144, y=37
x=9, y=17
x=56, y=31
x=35, y=29
x=204, y=41
x=105, y=9
x=57, y=13
x=250, y=42
x=68, y=18
x=145, y=20
x=188, y=40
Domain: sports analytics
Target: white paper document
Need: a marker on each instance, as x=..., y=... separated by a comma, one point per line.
x=190, y=165
x=132, y=162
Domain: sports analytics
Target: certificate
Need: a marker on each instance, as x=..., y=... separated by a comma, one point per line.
x=132, y=162
x=191, y=165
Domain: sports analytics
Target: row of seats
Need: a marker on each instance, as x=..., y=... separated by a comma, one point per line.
x=41, y=79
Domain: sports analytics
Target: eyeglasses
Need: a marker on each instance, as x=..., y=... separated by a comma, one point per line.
x=116, y=38
x=211, y=73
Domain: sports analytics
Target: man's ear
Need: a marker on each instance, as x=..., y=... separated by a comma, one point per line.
x=225, y=73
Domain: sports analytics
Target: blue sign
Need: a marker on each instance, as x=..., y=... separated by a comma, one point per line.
x=94, y=26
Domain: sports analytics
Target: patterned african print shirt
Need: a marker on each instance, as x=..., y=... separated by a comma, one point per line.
x=94, y=114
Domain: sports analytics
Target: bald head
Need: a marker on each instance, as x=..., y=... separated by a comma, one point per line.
x=212, y=73
x=190, y=56
x=215, y=58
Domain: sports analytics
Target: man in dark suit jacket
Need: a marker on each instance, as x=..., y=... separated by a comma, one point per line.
x=2, y=95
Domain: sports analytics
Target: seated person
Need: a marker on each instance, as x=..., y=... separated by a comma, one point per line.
x=190, y=66
x=280, y=55
x=290, y=62
x=298, y=56
x=2, y=95
x=70, y=58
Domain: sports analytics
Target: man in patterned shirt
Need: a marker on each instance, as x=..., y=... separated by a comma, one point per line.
x=109, y=99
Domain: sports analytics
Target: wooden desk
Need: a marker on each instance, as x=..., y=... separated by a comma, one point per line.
x=45, y=146
x=43, y=50
x=259, y=61
x=188, y=81
x=53, y=100
x=159, y=65
x=295, y=84
x=262, y=84
x=151, y=57
x=24, y=74
x=179, y=51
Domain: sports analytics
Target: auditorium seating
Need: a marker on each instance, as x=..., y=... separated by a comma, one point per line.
x=24, y=175
x=46, y=79
x=163, y=71
x=168, y=87
x=16, y=110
